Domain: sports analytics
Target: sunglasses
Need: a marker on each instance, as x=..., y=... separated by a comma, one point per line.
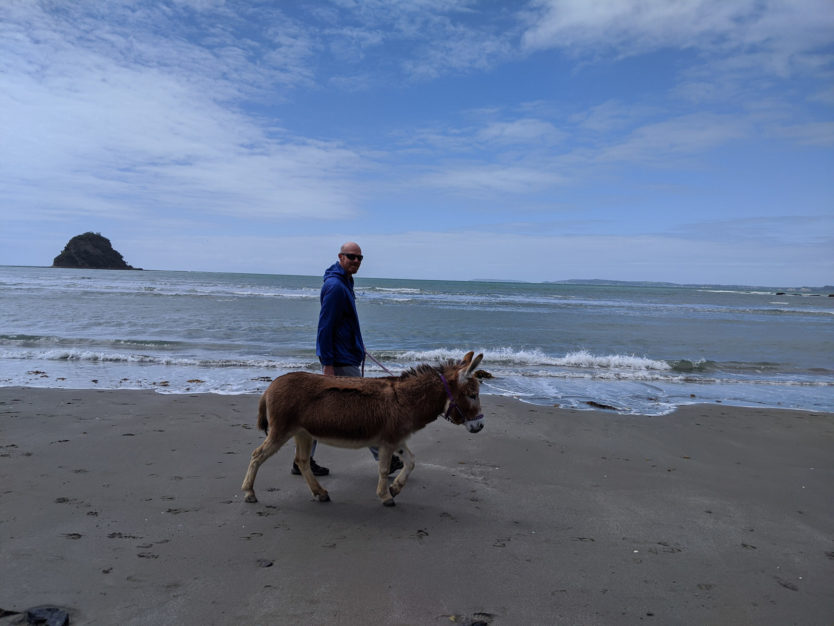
x=353, y=257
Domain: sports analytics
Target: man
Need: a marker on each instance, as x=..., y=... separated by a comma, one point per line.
x=339, y=343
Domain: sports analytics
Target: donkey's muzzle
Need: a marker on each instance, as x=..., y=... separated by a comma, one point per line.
x=476, y=425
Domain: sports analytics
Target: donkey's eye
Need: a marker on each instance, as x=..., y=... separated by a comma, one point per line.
x=473, y=396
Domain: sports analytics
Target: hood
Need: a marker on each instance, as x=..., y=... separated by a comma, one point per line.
x=337, y=271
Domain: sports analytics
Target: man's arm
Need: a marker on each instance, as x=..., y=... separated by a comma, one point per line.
x=331, y=301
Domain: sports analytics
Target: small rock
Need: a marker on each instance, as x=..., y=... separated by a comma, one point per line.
x=600, y=405
x=47, y=615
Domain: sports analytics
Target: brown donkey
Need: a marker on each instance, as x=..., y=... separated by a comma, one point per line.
x=362, y=412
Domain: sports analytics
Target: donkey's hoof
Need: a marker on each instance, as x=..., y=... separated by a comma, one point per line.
x=250, y=498
x=324, y=497
x=389, y=502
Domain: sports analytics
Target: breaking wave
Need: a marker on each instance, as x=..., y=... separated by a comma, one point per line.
x=91, y=356
x=535, y=357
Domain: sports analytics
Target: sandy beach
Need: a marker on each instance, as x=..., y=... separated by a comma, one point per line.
x=124, y=507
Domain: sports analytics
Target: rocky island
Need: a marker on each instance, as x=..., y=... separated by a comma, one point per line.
x=91, y=251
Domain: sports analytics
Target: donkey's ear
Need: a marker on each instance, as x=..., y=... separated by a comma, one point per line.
x=471, y=369
x=467, y=358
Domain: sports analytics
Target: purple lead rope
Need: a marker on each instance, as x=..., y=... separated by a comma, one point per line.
x=371, y=357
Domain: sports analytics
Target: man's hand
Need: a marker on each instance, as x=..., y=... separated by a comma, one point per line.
x=329, y=370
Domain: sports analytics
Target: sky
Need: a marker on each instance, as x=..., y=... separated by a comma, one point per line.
x=688, y=141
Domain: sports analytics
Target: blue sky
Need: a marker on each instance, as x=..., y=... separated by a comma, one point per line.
x=688, y=141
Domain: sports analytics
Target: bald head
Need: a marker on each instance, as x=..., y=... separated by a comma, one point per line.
x=350, y=249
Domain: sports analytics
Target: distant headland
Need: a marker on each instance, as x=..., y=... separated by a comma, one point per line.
x=91, y=251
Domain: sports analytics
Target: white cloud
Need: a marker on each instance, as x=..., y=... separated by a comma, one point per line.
x=521, y=131
x=611, y=116
x=825, y=95
x=670, y=139
x=459, y=50
x=819, y=134
x=527, y=156
x=626, y=27
x=111, y=133
x=422, y=39
x=813, y=231
x=741, y=51
x=489, y=178
x=631, y=26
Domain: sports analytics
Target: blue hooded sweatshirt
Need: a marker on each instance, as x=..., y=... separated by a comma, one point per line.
x=339, y=339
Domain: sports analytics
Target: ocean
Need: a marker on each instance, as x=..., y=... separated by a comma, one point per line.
x=640, y=349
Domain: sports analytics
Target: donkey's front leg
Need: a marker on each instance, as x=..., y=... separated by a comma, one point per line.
x=303, y=450
x=382, y=491
x=408, y=466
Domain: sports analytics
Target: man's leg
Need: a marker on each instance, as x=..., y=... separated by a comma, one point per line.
x=348, y=370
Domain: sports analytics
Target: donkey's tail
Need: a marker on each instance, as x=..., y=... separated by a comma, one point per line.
x=263, y=421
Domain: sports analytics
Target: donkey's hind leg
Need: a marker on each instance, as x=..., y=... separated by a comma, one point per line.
x=405, y=472
x=303, y=450
x=260, y=454
x=382, y=490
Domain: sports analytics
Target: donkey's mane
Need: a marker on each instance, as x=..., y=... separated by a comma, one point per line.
x=427, y=368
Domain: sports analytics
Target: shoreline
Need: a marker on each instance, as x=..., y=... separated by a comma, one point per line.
x=125, y=507
x=600, y=402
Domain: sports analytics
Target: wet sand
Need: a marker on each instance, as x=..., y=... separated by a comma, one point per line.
x=125, y=507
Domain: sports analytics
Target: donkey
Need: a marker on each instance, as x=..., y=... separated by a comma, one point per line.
x=360, y=412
